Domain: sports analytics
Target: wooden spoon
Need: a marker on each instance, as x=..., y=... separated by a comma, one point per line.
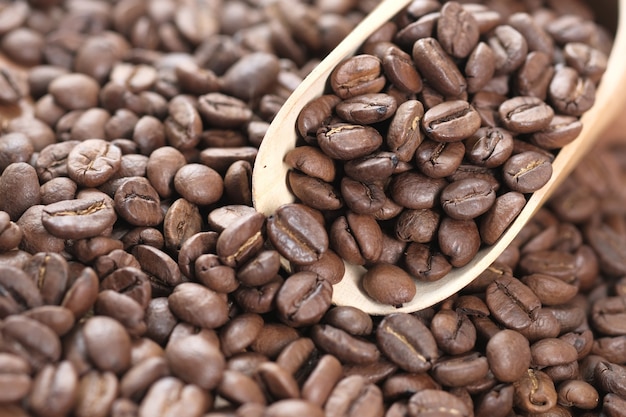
x=269, y=186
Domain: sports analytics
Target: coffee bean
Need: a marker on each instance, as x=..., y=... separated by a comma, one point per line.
x=527, y=171
x=285, y=230
x=202, y=299
x=441, y=401
x=413, y=350
x=240, y=240
x=357, y=75
x=388, y=284
x=511, y=302
x=438, y=67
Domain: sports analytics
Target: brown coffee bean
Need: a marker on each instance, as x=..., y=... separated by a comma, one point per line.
x=404, y=135
x=457, y=30
x=188, y=298
x=241, y=239
x=407, y=342
x=315, y=113
x=75, y=91
x=571, y=94
x=54, y=389
x=438, y=67
x=524, y=114
x=438, y=401
x=451, y=121
x=459, y=240
x=357, y=238
x=303, y=299
x=345, y=347
x=353, y=396
x=366, y=109
x=161, y=168
x=204, y=368
x=512, y=303
x=169, y=395
x=314, y=192
x=357, y=75
x=311, y=161
x=108, y=344
x=425, y=264
x=19, y=178
x=413, y=190
x=509, y=47
x=223, y=111
x=31, y=340
x=388, y=284
x=96, y=393
x=439, y=159
x=527, y=172
x=461, y=370
x=329, y=266
x=346, y=141
x=535, y=392
x=141, y=376
x=454, y=332
x=15, y=379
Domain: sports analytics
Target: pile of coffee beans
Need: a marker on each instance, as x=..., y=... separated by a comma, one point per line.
x=137, y=280
x=430, y=140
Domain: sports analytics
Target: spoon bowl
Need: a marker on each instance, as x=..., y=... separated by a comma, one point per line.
x=270, y=191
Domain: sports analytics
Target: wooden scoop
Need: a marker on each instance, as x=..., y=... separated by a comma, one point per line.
x=269, y=186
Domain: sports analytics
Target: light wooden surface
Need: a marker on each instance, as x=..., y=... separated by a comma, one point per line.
x=270, y=190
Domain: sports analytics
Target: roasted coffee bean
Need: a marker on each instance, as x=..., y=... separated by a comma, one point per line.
x=345, y=347
x=189, y=296
x=509, y=47
x=569, y=93
x=357, y=75
x=461, y=370
x=457, y=30
x=220, y=110
x=346, y=141
x=425, y=264
x=535, y=392
x=388, y=284
x=297, y=235
x=54, y=389
x=92, y=162
x=75, y=91
x=78, y=219
x=241, y=239
x=204, y=368
x=353, y=396
x=303, y=299
x=438, y=67
x=311, y=161
x=96, y=393
x=413, y=190
x=527, y=172
x=438, y=401
x=407, y=342
x=451, y=121
x=458, y=240
x=467, y=199
x=371, y=168
x=512, y=303
x=18, y=291
x=162, y=165
x=32, y=341
x=367, y=108
x=122, y=308
x=454, y=332
x=19, y=178
x=357, y=238
x=171, y=395
x=439, y=159
x=404, y=135
x=315, y=113
x=191, y=182
x=314, y=192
